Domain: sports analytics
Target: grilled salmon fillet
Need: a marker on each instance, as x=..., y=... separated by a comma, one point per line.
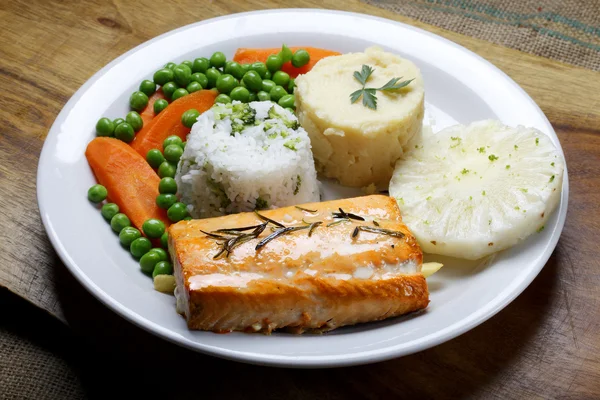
x=343, y=271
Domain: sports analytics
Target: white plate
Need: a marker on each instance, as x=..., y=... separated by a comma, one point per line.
x=460, y=87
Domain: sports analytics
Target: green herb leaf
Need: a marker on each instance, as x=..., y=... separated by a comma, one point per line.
x=354, y=96
x=369, y=99
x=364, y=74
x=393, y=84
x=369, y=95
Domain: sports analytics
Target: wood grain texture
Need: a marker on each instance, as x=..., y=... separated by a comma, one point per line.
x=546, y=344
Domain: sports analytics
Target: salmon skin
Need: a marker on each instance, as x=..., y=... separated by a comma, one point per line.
x=339, y=275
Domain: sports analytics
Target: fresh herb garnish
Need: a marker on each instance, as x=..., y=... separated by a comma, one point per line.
x=306, y=209
x=280, y=232
x=279, y=224
x=312, y=227
x=261, y=203
x=373, y=229
x=229, y=243
x=245, y=228
x=369, y=94
x=493, y=157
x=214, y=236
x=229, y=238
x=343, y=214
x=339, y=221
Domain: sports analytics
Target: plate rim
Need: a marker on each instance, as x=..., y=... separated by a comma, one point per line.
x=327, y=361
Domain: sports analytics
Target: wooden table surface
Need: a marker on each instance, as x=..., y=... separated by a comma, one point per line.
x=545, y=344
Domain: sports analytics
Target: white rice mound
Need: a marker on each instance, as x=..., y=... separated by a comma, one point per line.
x=264, y=165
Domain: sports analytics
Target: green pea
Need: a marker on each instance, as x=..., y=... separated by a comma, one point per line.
x=240, y=94
x=246, y=67
x=217, y=60
x=274, y=63
x=97, y=193
x=162, y=268
x=252, y=97
x=201, y=79
x=291, y=85
x=138, y=100
x=169, y=88
x=105, y=127
x=267, y=85
x=155, y=158
x=285, y=54
x=177, y=212
x=212, y=74
x=188, y=63
x=147, y=87
x=281, y=78
x=148, y=261
x=179, y=93
x=140, y=246
x=243, y=84
x=164, y=256
x=165, y=201
x=291, y=110
x=263, y=96
x=182, y=74
x=173, y=139
x=287, y=101
x=128, y=235
x=153, y=228
x=223, y=98
x=253, y=81
x=109, y=210
x=193, y=86
x=300, y=58
x=234, y=69
x=124, y=132
x=118, y=121
x=119, y=221
x=160, y=105
x=163, y=76
x=170, y=65
x=259, y=67
x=268, y=75
x=134, y=119
x=189, y=117
x=183, y=145
x=188, y=218
x=166, y=169
x=167, y=185
x=200, y=65
x=277, y=93
x=173, y=153
x=225, y=83
x=164, y=240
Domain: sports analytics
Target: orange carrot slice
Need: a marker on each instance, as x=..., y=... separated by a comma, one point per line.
x=148, y=113
x=251, y=55
x=131, y=182
x=168, y=122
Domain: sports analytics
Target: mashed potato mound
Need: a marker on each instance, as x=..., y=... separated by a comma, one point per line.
x=354, y=144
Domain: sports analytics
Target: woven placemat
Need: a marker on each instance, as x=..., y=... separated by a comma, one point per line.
x=563, y=30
